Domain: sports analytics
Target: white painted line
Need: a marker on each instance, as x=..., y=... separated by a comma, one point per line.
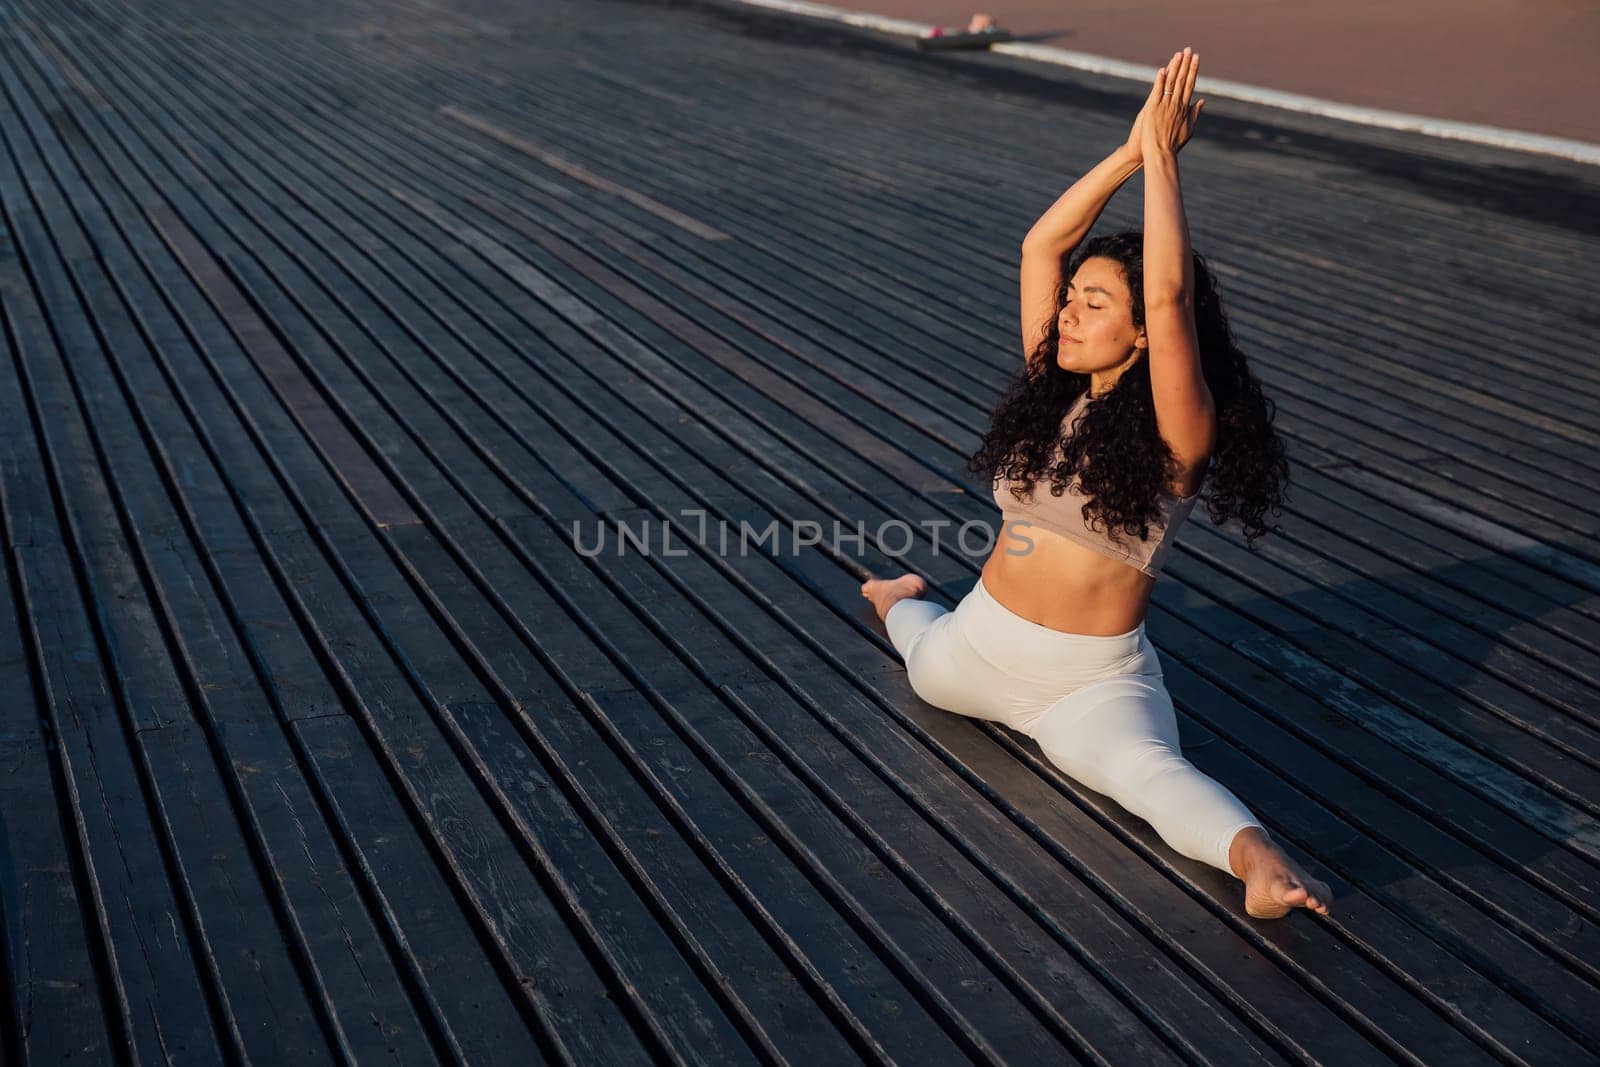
x=1517, y=140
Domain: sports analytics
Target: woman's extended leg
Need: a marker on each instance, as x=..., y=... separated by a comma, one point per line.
x=1120, y=737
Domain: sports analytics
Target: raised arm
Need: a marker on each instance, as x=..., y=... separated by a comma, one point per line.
x=1050, y=243
x=1185, y=412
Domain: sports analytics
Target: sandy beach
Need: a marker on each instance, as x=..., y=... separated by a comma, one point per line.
x=1528, y=65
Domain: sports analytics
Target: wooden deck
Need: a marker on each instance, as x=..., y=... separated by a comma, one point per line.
x=330, y=325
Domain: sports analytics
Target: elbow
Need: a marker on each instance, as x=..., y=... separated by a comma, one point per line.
x=1039, y=246
x=1166, y=297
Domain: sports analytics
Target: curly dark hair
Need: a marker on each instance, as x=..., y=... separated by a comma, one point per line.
x=1114, y=447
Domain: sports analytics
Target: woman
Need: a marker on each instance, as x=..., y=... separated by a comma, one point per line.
x=1132, y=384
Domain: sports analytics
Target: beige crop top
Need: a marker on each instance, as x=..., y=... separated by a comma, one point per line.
x=1063, y=515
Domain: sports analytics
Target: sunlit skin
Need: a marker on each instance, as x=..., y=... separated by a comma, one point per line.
x=1098, y=337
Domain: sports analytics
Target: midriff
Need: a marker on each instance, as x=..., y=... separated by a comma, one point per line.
x=1064, y=585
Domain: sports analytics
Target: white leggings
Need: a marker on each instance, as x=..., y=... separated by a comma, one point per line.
x=1097, y=706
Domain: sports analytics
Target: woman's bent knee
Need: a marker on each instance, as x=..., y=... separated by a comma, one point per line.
x=909, y=621
x=936, y=676
x=945, y=672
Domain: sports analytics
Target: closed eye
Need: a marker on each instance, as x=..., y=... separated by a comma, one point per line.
x=1066, y=296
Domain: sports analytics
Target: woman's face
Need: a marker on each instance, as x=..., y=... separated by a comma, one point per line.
x=1096, y=322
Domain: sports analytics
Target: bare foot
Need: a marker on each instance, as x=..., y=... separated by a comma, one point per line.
x=1273, y=883
x=885, y=593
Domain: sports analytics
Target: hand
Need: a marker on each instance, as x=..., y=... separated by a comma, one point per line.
x=1166, y=122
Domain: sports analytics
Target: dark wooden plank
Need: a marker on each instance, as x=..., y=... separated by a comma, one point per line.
x=500, y=1042
x=980, y=205
x=56, y=1003
x=1493, y=959
x=213, y=860
x=1562, y=609
x=433, y=666
x=986, y=144
x=160, y=984
x=1448, y=852
x=275, y=640
x=1545, y=745
x=150, y=952
x=424, y=299
x=246, y=957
